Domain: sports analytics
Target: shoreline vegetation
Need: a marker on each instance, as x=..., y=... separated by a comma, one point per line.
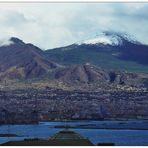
x=74, y=120
x=8, y=135
x=106, y=128
x=67, y=121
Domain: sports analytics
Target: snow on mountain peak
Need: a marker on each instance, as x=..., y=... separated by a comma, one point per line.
x=109, y=38
x=105, y=39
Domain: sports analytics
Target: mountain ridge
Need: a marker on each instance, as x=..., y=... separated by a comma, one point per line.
x=131, y=53
x=26, y=61
x=109, y=38
x=26, y=57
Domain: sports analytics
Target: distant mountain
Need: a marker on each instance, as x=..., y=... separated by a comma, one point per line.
x=109, y=50
x=20, y=60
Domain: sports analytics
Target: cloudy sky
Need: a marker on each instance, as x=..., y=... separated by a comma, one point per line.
x=50, y=25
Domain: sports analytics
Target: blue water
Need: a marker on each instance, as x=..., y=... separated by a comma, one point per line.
x=121, y=136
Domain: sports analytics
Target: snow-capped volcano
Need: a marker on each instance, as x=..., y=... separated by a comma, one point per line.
x=109, y=49
x=108, y=38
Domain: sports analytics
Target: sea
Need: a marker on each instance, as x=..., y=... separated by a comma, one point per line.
x=121, y=133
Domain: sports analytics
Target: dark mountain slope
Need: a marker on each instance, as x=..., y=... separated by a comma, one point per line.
x=88, y=74
x=23, y=61
x=82, y=74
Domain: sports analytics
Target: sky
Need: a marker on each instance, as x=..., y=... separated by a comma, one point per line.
x=51, y=25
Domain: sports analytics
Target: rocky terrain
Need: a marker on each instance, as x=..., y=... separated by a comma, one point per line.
x=82, y=77
x=31, y=106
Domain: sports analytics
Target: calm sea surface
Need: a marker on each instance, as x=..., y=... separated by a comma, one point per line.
x=134, y=132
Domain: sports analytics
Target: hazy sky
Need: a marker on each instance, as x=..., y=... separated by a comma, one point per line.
x=50, y=25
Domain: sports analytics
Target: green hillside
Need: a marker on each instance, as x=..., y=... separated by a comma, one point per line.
x=101, y=59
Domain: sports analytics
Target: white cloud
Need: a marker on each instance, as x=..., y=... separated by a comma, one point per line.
x=5, y=41
x=50, y=25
